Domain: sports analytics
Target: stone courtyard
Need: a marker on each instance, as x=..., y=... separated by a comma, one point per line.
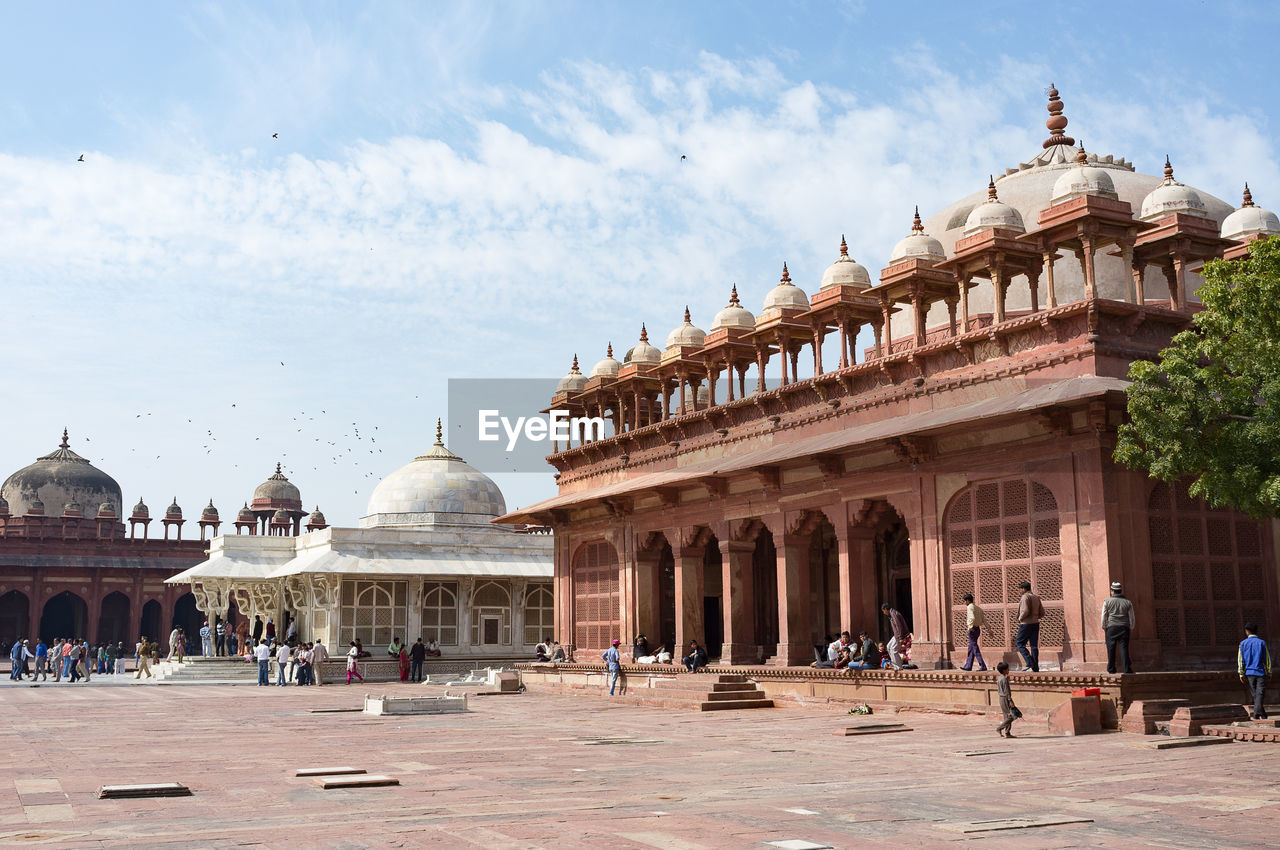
x=548, y=770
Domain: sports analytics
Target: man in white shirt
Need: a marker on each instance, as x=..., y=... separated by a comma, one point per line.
x=433, y=648
x=318, y=656
x=974, y=621
x=282, y=664
x=837, y=646
x=262, y=654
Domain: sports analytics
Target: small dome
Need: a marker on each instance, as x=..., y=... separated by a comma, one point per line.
x=1249, y=220
x=277, y=491
x=245, y=515
x=917, y=245
x=106, y=511
x=1084, y=179
x=141, y=511
x=845, y=271
x=173, y=511
x=786, y=295
x=686, y=334
x=572, y=382
x=993, y=215
x=1172, y=197
x=72, y=510
x=316, y=518
x=281, y=517
x=608, y=367
x=209, y=512
x=642, y=352
x=35, y=507
x=734, y=315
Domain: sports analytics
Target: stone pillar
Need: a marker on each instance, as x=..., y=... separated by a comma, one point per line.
x=1033, y=286
x=845, y=344
x=1050, y=294
x=689, y=593
x=1139, y=272
x=964, y=304
x=761, y=360
x=997, y=294
x=519, y=589
x=1180, y=281
x=919, y=309
x=1126, y=257
x=737, y=599
x=886, y=311
x=794, y=626
x=819, y=333
x=646, y=603
x=877, y=328
x=952, y=302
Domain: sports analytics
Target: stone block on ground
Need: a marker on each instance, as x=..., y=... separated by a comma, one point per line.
x=155, y=789
x=1179, y=743
x=328, y=771
x=1143, y=714
x=1077, y=716
x=873, y=729
x=1191, y=719
x=372, y=780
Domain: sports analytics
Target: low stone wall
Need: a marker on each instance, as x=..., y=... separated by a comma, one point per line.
x=388, y=669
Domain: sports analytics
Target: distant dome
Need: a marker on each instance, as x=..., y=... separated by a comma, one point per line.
x=209, y=512
x=1172, y=197
x=281, y=517
x=642, y=352
x=845, y=271
x=106, y=511
x=72, y=510
x=734, y=315
x=277, y=492
x=173, y=511
x=316, y=518
x=58, y=478
x=1082, y=180
x=572, y=382
x=35, y=508
x=437, y=487
x=245, y=515
x=686, y=334
x=917, y=245
x=992, y=215
x=608, y=367
x=786, y=295
x=140, y=510
x=1249, y=220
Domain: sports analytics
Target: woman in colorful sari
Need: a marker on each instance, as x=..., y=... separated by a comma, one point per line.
x=404, y=664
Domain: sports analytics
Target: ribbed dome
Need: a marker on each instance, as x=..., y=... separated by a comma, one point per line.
x=1082, y=180
x=316, y=518
x=734, y=315
x=786, y=295
x=608, y=367
x=845, y=271
x=173, y=511
x=642, y=352
x=277, y=492
x=245, y=515
x=435, y=488
x=140, y=510
x=1172, y=197
x=209, y=512
x=1250, y=220
x=72, y=510
x=686, y=334
x=106, y=510
x=993, y=215
x=572, y=382
x=59, y=478
x=917, y=245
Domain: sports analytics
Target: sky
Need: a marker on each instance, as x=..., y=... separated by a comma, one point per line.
x=482, y=190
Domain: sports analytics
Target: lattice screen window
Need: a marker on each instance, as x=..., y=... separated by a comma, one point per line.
x=491, y=615
x=373, y=611
x=440, y=612
x=1206, y=570
x=597, y=601
x=539, y=615
x=999, y=534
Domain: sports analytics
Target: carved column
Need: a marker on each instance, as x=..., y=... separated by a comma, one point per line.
x=997, y=295
x=689, y=593
x=1050, y=294
x=1139, y=273
x=1126, y=257
x=964, y=304
x=794, y=627
x=738, y=603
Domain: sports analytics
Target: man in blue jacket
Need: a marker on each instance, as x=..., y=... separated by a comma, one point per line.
x=613, y=663
x=1254, y=663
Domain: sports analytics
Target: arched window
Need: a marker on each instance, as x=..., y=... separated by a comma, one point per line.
x=440, y=612
x=1206, y=570
x=998, y=535
x=539, y=615
x=597, y=600
x=491, y=615
x=373, y=611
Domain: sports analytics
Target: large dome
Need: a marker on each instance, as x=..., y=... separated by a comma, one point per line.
x=60, y=478
x=435, y=488
x=277, y=492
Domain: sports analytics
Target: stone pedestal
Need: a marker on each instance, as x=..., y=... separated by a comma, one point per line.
x=1077, y=716
x=1142, y=716
x=1190, y=720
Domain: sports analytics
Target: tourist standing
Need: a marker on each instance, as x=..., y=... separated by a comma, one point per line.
x=402, y=664
x=262, y=653
x=898, y=626
x=416, y=656
x=206, y=640
x=613, y=663
x=1030, y=613
x=110, y=656
x=42, y=661
x=73, y=661
x=232, y=644
x=55, y=659
x=270, y=629
x=15, y=661
x=974, y=620
x=1117, y=624
x=220, y=638
x=282, y=664
x=319, y=654
x=1254, y=664
x=120, y=660
x=1008, y=710
x=85, y=660
x=175, y=642
x=66, y=657
x=353, y=668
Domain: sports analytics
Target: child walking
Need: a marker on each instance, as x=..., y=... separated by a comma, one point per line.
x=1007, y=708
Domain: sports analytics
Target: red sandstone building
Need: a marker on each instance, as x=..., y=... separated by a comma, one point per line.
x=67, y=567
x=967, y=449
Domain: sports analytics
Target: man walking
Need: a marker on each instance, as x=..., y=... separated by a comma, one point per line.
x=282, y=664
x=898, y=625
x=1030, y=613
x=206, y=640
x=318, y=656
x=220, y=638
x=15, y=661
x=175, y=644
x=1117, y=624
x=417, y=655
x=262, y=653
x=1254, y=664
x=974, y=621
x=613, y=663
x=42, y=661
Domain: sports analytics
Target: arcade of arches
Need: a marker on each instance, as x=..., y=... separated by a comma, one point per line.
x=114, y=616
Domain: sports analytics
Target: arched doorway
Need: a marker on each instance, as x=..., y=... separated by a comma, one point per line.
x=113, y=623
x=149, y=623
x=187, y=616
x=65, y=615
x=14, y=616
x=764, y=583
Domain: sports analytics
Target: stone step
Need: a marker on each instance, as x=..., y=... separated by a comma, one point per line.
x=1244, y=732
x=683, y=683
x=656, y=701
x=706, y=695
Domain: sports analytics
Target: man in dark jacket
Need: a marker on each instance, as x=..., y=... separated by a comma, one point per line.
x=417, y=654
x=1254, y=664
x=868, y=655
x=696, y=658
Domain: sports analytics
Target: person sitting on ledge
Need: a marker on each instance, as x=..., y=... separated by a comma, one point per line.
x=868, y=655
x=835, y=650
x=558, y=654
x=696, y=658
x=540, y=653
x=433, y=648
x=394, y=649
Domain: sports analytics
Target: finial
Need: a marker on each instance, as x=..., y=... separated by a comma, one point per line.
x=439, y=433
x=644, y=333
x=844, y=247
x=608, y=352
x=1248, y=197
x=786, y=275
x=1081, y=157
x=733, y=297
x=1057, y=122
x=575, y=363
x=916, y=226
x=991, y=188
x=64, y=444
x=688, y=320
x=1168, y=168
x=277, y=467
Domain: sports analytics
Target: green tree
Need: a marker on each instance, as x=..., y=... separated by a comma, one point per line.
x=1209, y=410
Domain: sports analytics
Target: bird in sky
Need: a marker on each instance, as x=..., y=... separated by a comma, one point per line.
x=683, y=157
x=275, y=135
x=81, y=159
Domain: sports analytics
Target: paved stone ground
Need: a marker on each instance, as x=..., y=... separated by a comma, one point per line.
x=541, y=770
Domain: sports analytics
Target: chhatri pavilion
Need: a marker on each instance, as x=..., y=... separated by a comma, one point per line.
x=965, y=446
x=425, y=561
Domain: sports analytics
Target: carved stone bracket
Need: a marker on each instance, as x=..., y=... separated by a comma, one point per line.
x=1056, y=420
x=913, y=449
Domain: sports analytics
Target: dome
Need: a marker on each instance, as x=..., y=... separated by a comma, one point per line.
x=72, y=510
x=106, y=511
x=572, y=382
x=277, y=491
x=1082, y=180
x=993, y=215
x=1249, y=220
x=917, y=245
x=786, y=295
x=845, y=271
x=316, y=518
x=608, y=367
x=1171, y=197
x=280, y=517
x=141, y=511
x=734, y=315
x=642, y=352
x=245, y=515
x=435, y=488
x=173, y=511
x=686, y=334
x=60, y=477
x=35, y=508
x=209, y=512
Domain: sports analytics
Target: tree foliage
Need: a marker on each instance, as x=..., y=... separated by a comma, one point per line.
x=1209, y=410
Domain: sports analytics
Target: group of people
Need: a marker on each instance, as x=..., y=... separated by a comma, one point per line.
x=866, y=653
x=298, y=663
x=550, y=650
x=410, y=658
x=66, y=658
